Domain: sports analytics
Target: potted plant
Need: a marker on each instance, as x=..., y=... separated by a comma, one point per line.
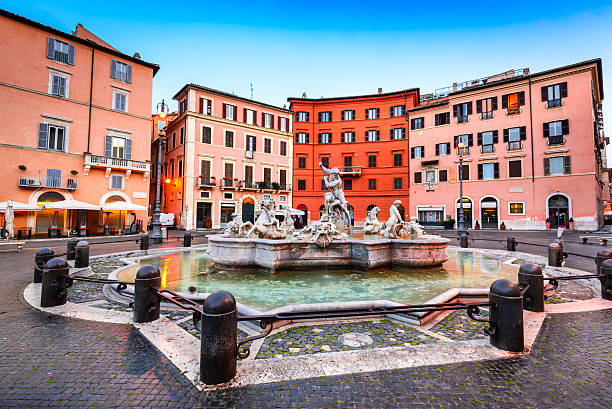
x=502, y=226
x=276, y=186
x=571, y=223
x=449, y=223
x=22, y=168
x=477, y=226
x=74, y=172
x=262, y=185
x=547, y=223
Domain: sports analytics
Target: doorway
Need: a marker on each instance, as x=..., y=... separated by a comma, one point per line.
x=467, y=213
x=203, y=215
x=558, y=211
x=248, y=210
x=488, y=213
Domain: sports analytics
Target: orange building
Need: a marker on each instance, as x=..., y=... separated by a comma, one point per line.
x=366, y=137
x=75, y=125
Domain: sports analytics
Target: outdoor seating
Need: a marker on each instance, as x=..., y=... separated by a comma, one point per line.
x=25, y=232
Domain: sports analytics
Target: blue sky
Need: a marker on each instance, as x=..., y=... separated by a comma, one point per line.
x=338, y=48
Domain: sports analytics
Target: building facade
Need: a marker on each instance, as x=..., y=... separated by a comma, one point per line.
x=534, y=150
x=76, y=123
x=223, y=155
x=365, y=137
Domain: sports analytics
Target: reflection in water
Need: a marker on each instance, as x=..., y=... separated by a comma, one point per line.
x=265, y=291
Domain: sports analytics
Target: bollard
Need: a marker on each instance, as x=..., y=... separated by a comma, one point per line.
x=555, y=254
x=71, y=247
x=506, y=316
x=187, y=239
x=146, y=300
x=606, y=280
x=81, y=254
x=144, y=241
x=511, y=243
x=55, y=281
x=533, y=299
x=601, y=256
x=40, y=259
x=218, y=338
x=463, y=241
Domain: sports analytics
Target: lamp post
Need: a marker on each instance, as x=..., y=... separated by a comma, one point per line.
x=461, y=152
x=156, y=236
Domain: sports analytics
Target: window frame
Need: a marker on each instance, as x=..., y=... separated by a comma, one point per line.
x=372, y=184
x=65, y=76
x=302, y=138
x=510, y=213
x=124, y=94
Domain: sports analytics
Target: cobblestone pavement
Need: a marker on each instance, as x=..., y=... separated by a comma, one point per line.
x=49, y=361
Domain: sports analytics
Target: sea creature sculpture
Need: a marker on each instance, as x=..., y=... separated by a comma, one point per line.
x=267, y=225
x=372, y=225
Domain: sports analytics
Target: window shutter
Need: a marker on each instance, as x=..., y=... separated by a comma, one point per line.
x=129, y=74
x=565, y=127
x=479, y=106
x=496, y=170
x=114, y=69
x=456, y=141
x=545, y=93
x=447, y=148
x=70, y=54
x=255, y=144
x=279, y=123
x=505, y=135
x=50, y=47
x=391, y=133
x=254, y=117
x=412, y=153
x=470, y=140
x=495, y=137
x=504, y=101
x=521, y=98
x=566, y=165
x=377, y=112
x=479, y=138
x=42, y=134
x=391, y=111
x=546, y=166
x=271, y=121
x=545, y=130
x=412, y=123
x=437, y=119
x=245, y=115
x=523, y=133
x=563, y=87
x=319, y=117
x=108, y=146
x=404, y=133
x=128, y=149
x=455, y=111
x=469, y=108
x=422, y=151
x=480, y=171
x=494, y=104
x=224, y=110
x=437, y=149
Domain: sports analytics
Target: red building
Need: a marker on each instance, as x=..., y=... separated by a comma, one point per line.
x=366, y=137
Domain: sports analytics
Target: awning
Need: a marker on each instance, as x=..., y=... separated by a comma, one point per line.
x=18, y=206
x=70, y=205
x=113, y=206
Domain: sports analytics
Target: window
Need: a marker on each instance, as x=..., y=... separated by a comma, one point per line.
x=466, y=141
x=462, y=111
x=283, y=148
x=417, y=152
x=267, y=145
x=430, y=177
x=515, y=169
x=302, y=137
x=172, y=169
x=348, y=163
x=205, y=170
x=418, y=177
x=516, y=208
x=324, y=161
x=371, y=161
x=301, y=162
x=206, y=134
x=488, y=171
x=398, y=133
x=443, y=118
x=248, y=175
x=229, y=112
x=282, y=178
x=347, y=137
x=372, y=136
x=121, y=71
x=52, y=137
x=183, y=106
x=182, y=139
x=487, y=141
x=397, y=183
x=58, y=84
x=512, y=102
x=301, y=184
x=302, y=116
x=398, y=110
x=325, y=116
x=267, y=176
x=443, y=175
x=173, y=140
x=555, y=131
x=417, y=123
x=251, y=143
x=268, y=120
x=283, y=124
x=228, y=174
x=371, y=184
x=180, y=168
x=398, y=159
x=323, y=187
x=116, y=147
x=372, y=113
x=348, y=184
x=465, y=172
x=558, y=165
x=348, y=115
x=205, y=106
x=486, y=106
x=553, y=94
x=442, y=149
x=120, y=101
x=229, y=139
x=514, y=137
x=116, y=182
x=325, y=137
x=60, y=51
x=249, y=117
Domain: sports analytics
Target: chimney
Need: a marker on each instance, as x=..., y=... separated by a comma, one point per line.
x=303, y=95
x=137, y=55
x=380, y=90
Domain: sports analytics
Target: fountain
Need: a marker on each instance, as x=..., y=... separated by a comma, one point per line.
x=272, y=245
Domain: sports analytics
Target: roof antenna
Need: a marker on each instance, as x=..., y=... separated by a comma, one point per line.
x=251, y=91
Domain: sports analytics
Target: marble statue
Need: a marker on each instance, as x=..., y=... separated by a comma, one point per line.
x=267, y=225
x=394, y=222
x=372, y=225
x=321, y=232
x=336, y=206
x=233, y=228
x=288, y=223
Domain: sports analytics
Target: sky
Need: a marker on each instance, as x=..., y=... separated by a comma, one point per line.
x=338, y=48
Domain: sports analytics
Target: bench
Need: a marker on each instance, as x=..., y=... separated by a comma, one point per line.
x=18, y=244
x=602, y=240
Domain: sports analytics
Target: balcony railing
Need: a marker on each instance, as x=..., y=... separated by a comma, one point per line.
x=515, y=146
x=207, y=181
x=35, y=183
x=553, y=103
x=556, y=140
x=117, y=163
x=487, y=149
x=486, y=115
x=249, y=184
x=227, y=183
x=350, y=170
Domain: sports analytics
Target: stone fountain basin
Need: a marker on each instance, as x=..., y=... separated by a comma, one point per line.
x=236, y=253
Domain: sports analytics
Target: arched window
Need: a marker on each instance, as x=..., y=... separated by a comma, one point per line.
x=51, y=197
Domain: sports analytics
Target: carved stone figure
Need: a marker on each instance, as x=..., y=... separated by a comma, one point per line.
x=395, y=220
x=288, y=223
x=322, y=232
x=267, y=225
x=233, y=228
x=414, y=229
x=336, y=205
x=372, y=225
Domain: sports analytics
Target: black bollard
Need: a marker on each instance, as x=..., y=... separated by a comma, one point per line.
x=601, y=256
x=218, y=338
x=511, y=243
x=187, y=239
x=81, y=254
x=506, y=316
x=55, y=281
x=555, y=254
x=531, y=274
x=146, y=300
x=606, y=280
x=71, y=247
x=40, y=259
x=463, y=241
x=144, y=241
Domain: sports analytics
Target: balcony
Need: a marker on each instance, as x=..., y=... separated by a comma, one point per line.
x=350, y=170
x=206, y=182
x=56, y=183
x=553, y=103
x=116, y=163
x=556, y=140
x=228, y=183
x=249, y=185
x=515, y=146
x=489, y=148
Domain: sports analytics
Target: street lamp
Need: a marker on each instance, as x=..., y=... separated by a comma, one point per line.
x=461, y=152
x=156, y=236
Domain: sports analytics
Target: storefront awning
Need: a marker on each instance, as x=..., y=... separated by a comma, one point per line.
x=18, y=206
x=119, y=206
x=70, y=205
